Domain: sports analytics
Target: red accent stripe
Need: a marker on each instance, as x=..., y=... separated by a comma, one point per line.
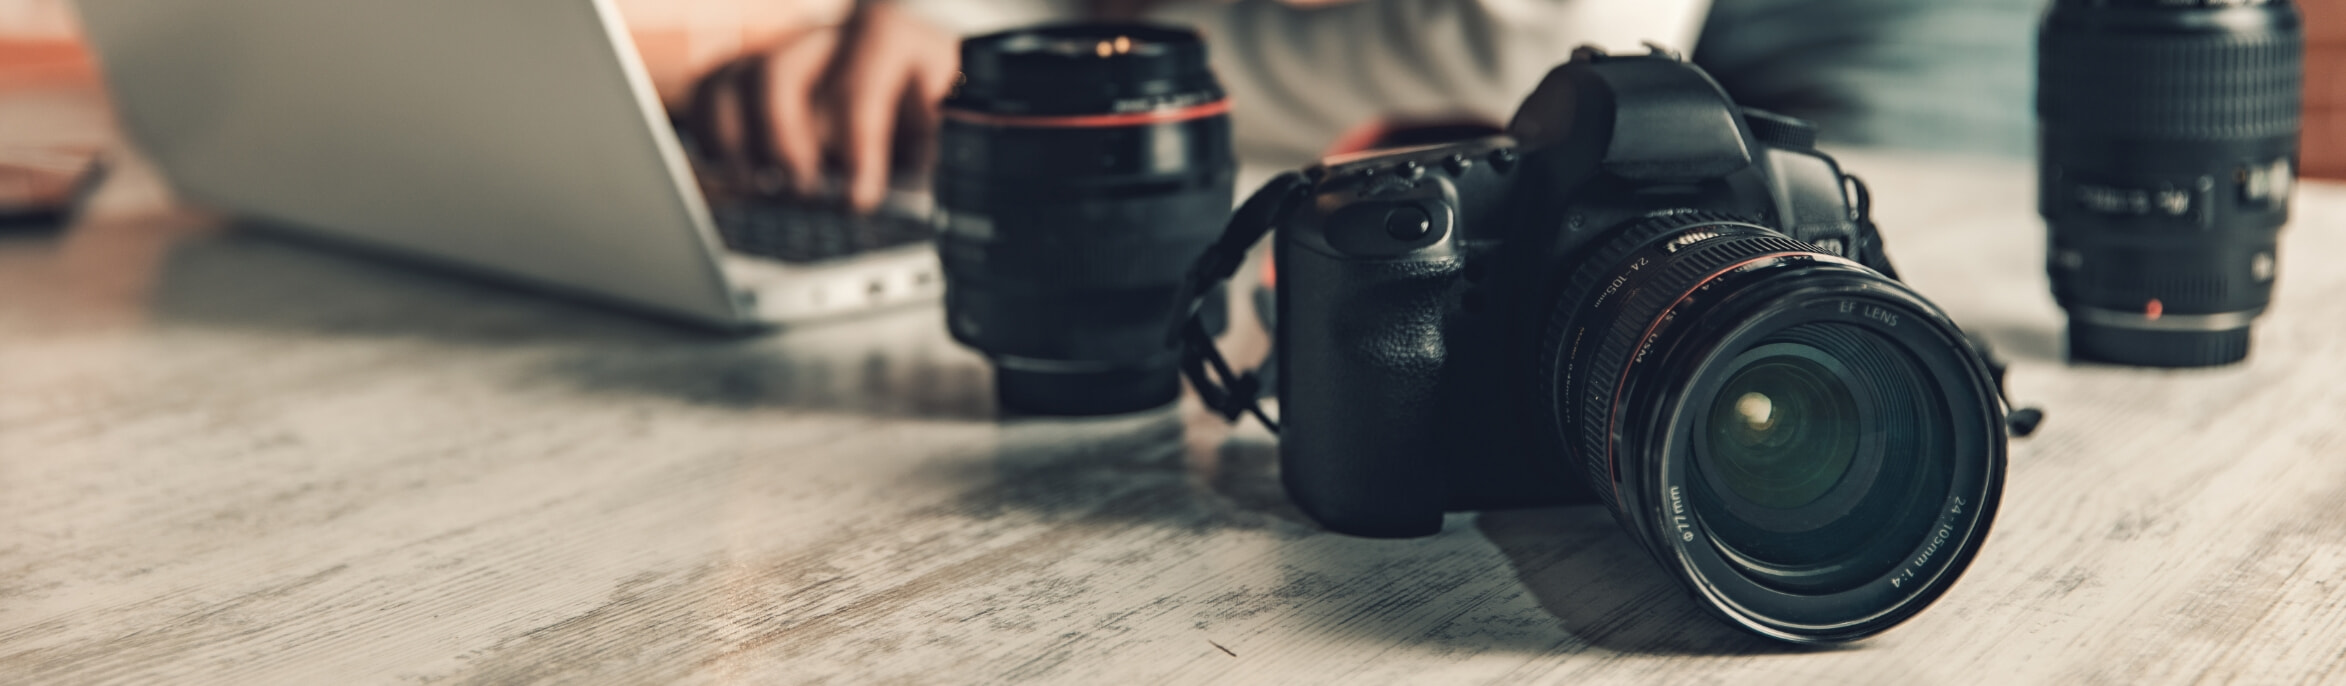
x=1091, y=121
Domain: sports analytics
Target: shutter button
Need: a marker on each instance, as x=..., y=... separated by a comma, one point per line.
x=1407, y=224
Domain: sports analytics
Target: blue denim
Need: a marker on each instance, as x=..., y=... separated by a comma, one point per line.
x=1922, y=74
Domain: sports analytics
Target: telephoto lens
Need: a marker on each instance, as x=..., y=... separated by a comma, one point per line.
x=2169, y=138
x=1082, y=168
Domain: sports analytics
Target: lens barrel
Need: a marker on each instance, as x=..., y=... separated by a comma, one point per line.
x=1082, y=169
x=2168, y=151
x=1809, y=446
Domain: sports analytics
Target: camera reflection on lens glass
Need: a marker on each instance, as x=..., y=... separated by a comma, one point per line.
x=1783, y=432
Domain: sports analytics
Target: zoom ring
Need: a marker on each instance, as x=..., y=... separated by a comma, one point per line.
x=2172, y=87
x=1557, y=350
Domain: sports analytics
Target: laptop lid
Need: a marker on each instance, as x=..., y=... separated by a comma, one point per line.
x=520, y=138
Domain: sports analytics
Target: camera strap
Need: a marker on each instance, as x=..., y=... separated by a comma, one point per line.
x=2019, y=421
x=1227, y=392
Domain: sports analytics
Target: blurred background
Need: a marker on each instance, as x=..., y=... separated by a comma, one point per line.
x=1923, y=74
x=40, y=49
x=37, y=46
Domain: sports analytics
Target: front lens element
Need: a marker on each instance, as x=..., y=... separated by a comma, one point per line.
x=1811, y=447
x=1854, y=480
x=1782, y=431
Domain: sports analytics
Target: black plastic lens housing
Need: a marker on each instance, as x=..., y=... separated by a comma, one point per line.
x=2168, y=152
x=1657, y=339
x=1082, y=169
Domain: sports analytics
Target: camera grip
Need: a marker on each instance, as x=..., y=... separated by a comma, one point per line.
x=1363, y=342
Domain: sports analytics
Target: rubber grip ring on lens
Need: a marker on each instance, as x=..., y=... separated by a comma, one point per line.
x=2171, y=87
x=2152, y=348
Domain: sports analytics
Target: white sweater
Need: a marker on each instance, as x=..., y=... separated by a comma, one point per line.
x=1300, y=77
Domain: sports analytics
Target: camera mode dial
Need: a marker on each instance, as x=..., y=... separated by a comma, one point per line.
x=1780, y=131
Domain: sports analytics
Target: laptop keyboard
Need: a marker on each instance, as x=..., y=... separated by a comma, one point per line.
x=800, y=234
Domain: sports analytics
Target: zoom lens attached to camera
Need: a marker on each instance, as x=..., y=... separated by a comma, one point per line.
x=1647, y=297
x=1082, y=169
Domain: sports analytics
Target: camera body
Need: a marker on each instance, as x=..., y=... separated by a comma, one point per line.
x=1642, y=296
x=1418, y=288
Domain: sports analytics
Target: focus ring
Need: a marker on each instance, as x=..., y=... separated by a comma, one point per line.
x=1556, y=350
x=2171, y=87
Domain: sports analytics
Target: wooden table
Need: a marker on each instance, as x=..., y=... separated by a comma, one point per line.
x=227, y=459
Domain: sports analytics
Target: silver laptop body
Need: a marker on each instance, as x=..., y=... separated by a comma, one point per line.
x=516, y=138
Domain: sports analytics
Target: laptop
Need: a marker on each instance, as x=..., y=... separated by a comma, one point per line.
x=516, y=139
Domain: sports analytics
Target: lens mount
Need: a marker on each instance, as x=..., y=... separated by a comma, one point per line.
x=1689, y=321
x=2156, y=340
x=1059, y=387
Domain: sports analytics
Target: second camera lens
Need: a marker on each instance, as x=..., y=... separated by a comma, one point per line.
x=2169, y=149
x=1083, y=168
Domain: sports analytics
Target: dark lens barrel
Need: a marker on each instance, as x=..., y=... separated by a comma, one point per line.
x=1082, y=169
x=1810, y=446
x=1084, y=69
x=2169, y=138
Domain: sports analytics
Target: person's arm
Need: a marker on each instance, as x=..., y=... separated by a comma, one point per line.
x=1300, y=76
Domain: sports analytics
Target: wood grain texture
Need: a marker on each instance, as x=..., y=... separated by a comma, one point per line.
x=230, y=459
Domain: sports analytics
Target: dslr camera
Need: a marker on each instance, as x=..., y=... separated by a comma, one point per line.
x=1643, y=296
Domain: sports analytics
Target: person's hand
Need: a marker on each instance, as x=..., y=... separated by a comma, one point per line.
x=858, y=98
x=2322, y=149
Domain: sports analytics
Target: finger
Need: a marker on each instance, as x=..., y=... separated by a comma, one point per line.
x=914, y=147
x=919, y=114
x=753, y=100
x=792, y=125
x=702, y=113
x=873, y=85
x=722, y=124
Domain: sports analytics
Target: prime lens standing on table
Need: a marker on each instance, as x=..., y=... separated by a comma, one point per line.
x=1082, y=169
x=2169, y=150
